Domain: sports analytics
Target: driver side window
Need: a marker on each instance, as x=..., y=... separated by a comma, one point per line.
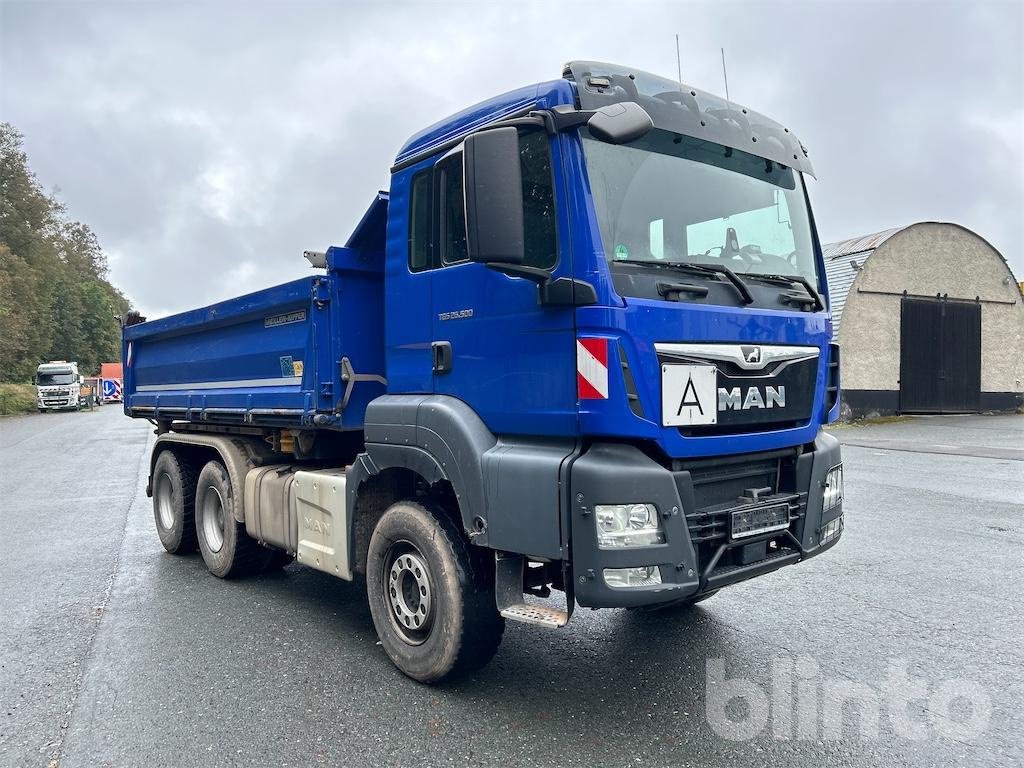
x=437, y=214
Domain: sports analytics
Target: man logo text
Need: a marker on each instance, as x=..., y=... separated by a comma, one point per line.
x=735, y=400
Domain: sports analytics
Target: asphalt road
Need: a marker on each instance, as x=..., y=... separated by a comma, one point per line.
x=117, y=654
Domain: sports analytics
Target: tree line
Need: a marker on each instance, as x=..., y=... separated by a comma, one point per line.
x=55, y=300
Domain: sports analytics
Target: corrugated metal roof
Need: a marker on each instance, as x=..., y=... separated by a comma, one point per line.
x=858, y=244
x=841, y=273
x=843, y=260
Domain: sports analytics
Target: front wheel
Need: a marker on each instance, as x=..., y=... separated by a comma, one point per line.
x=431, y=594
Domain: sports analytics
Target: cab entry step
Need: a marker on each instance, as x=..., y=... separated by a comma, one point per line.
x=541, y=615
x=508, y=594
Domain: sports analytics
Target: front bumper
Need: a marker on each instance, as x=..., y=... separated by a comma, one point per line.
x=58, y=403
x=695, y=500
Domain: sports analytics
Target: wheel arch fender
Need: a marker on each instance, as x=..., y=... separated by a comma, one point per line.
x=437, y=437
x=507, y=488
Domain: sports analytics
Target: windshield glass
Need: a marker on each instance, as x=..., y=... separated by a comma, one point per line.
x=668, y=197
x=50, y=379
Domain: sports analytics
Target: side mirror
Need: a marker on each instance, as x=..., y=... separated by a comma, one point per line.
x=494, y=197
x=620, y=123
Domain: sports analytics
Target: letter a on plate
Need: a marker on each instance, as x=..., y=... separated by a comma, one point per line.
x=689, y=395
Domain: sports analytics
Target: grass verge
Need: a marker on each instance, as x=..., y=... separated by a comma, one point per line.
x=17, y=398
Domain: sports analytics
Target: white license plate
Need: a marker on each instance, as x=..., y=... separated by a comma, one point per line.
x=689, y=395
x=755, y=520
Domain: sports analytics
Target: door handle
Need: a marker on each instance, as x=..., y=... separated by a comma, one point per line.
x=442, y=354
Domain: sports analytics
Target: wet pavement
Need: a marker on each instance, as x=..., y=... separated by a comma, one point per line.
x=117, y=654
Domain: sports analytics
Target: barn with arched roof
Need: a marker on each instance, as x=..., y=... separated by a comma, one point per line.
x=929, y=319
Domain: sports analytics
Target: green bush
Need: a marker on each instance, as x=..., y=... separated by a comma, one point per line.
x=17, y=398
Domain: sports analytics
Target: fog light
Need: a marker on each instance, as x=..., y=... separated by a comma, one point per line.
x=627, y=525
x=831, y=530
x=644, y=576
x=833, y=493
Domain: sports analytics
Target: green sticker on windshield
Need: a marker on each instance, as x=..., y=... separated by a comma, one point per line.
x=621, y=252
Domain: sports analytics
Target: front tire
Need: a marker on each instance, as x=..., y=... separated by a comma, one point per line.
x=227, y=549
x=431, y=594
x=174, y=493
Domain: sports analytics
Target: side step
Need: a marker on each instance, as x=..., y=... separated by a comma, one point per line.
x=508, y=594
x=541, y=615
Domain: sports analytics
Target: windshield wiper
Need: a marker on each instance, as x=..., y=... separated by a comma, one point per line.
x=812, y=298
x=697, y=269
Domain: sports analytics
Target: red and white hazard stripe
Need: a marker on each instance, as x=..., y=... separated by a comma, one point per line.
x=592, y=369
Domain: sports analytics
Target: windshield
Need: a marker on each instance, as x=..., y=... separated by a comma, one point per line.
x=668, y=197
x=50, y=379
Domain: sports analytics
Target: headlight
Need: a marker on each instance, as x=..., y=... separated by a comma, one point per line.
x=628, y=525
x=831, y=530
x=833, y=489
x=644, y=576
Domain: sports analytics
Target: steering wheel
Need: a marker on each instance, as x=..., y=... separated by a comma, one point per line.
x=743, y=255
x=750, y=254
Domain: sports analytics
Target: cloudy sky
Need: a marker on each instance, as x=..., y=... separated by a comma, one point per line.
x=209, y=144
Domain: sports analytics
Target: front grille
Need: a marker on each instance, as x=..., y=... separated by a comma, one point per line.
x=743, y=403
x=711, y=524
x=718, y=488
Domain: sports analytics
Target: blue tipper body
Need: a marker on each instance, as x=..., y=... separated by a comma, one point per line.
x=274, y=356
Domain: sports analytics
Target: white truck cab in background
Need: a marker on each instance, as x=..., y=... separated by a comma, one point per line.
x=58, y=386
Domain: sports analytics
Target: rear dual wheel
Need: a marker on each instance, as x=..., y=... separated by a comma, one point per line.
x=197, y=509
x=226, y=548
x=174, y=491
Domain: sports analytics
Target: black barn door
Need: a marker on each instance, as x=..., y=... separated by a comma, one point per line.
x=940, y=356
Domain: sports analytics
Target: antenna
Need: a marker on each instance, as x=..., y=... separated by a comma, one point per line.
x=679, y=63
x=725, y=77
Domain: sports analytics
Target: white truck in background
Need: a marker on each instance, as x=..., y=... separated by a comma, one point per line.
x=58, y=386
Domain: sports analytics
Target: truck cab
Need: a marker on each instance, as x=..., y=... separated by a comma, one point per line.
x=667, y=347
x=58, y=386
x=581, y=344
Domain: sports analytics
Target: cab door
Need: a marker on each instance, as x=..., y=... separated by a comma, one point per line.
x=495, y=346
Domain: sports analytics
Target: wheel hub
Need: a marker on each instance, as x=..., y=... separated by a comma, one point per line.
x=164, y=498
x=409, y=596
x=213, y=519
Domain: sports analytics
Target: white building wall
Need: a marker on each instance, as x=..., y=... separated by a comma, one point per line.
x=927, y=259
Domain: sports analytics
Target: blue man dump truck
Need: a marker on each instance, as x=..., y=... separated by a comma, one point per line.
x=582, y=344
